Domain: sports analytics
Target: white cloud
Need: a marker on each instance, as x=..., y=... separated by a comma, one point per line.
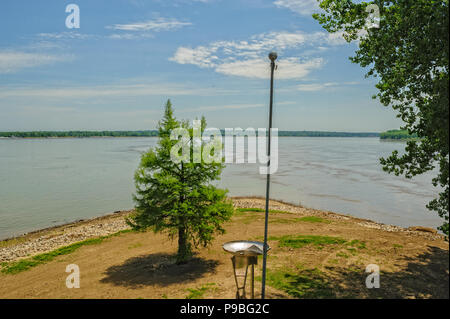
x=223, y=107
x=336, y=38
x=200, y=56
x=52, y=109
x=108, y=91
x=248, y=58
x=13, y=61
x=265, y=41
x=44, y=45
x=129, y=36
x=156, y=25
x=313, y=87
x=303, y=7
x=64, y=35
x=289, y=68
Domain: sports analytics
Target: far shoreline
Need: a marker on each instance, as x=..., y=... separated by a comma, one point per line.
x=87, y=137
x=154, y=133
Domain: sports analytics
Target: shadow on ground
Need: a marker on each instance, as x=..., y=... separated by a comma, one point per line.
x=424, y=276
x=157, y=269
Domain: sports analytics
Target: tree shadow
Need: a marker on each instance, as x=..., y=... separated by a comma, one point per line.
x=157, y=269
x=424, y=276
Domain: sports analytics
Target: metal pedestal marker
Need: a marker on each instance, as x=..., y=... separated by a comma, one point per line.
x=245, y=254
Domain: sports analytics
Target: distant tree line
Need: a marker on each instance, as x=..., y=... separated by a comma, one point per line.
x=397, y=135
x=80, y=134
x=149, y=133
x=327, y=134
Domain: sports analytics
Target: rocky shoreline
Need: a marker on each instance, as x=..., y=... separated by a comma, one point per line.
x=52, y=238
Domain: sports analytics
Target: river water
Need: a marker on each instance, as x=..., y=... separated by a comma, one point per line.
x=47, y=182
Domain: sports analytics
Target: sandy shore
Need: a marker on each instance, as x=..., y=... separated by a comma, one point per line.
x=48, y=239
x=327, y=258
x=52, y=238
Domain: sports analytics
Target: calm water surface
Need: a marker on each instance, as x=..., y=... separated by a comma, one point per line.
x=46, y=182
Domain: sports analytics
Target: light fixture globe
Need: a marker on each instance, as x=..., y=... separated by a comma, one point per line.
x=273, y=56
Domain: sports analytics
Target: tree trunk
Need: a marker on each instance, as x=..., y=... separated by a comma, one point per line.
x=184, y=248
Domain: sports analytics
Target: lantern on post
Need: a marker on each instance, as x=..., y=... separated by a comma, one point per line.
x=245, y=256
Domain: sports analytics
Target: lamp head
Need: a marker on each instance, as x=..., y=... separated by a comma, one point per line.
x=273, y=56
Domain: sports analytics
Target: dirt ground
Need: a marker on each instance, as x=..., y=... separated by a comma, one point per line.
x=413, y=264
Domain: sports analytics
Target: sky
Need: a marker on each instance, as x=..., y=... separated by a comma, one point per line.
x=117, y=70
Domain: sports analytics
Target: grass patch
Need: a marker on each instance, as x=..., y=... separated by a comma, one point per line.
x=283, y=221
x=300, y=283
x=359, y=244
x=313, y=219
x=16, y=267
x=299, y=241
x=343, y=255
x=11, y=242
x=258, y=210
x=244, y=210
x=137, y=245
x=247, y=218
x=307, y=219
x=198, y=293
x=276, y=211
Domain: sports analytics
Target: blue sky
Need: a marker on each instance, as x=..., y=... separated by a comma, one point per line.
x=208, y=56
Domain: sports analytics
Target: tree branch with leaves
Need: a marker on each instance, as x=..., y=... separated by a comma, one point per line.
x=409, y=54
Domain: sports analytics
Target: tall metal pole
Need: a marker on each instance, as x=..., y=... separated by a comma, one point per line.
x=272, y=57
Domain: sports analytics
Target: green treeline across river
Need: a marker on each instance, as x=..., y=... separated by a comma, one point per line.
x=49, y=134
x=149, y=133
x=397, y=135
x=391, y=134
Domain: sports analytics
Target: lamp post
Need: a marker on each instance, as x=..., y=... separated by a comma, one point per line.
x=272, y=57
x=245, y=255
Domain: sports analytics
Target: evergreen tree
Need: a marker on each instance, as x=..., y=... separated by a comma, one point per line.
x=178, y=198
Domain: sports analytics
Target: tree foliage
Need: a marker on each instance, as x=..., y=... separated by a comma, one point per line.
x=54, y=134
x=409, y=53
x=179, y=197
x=397, y=135
x=153, y=133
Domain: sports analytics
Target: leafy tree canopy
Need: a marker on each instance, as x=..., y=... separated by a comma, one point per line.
x=409, y=53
